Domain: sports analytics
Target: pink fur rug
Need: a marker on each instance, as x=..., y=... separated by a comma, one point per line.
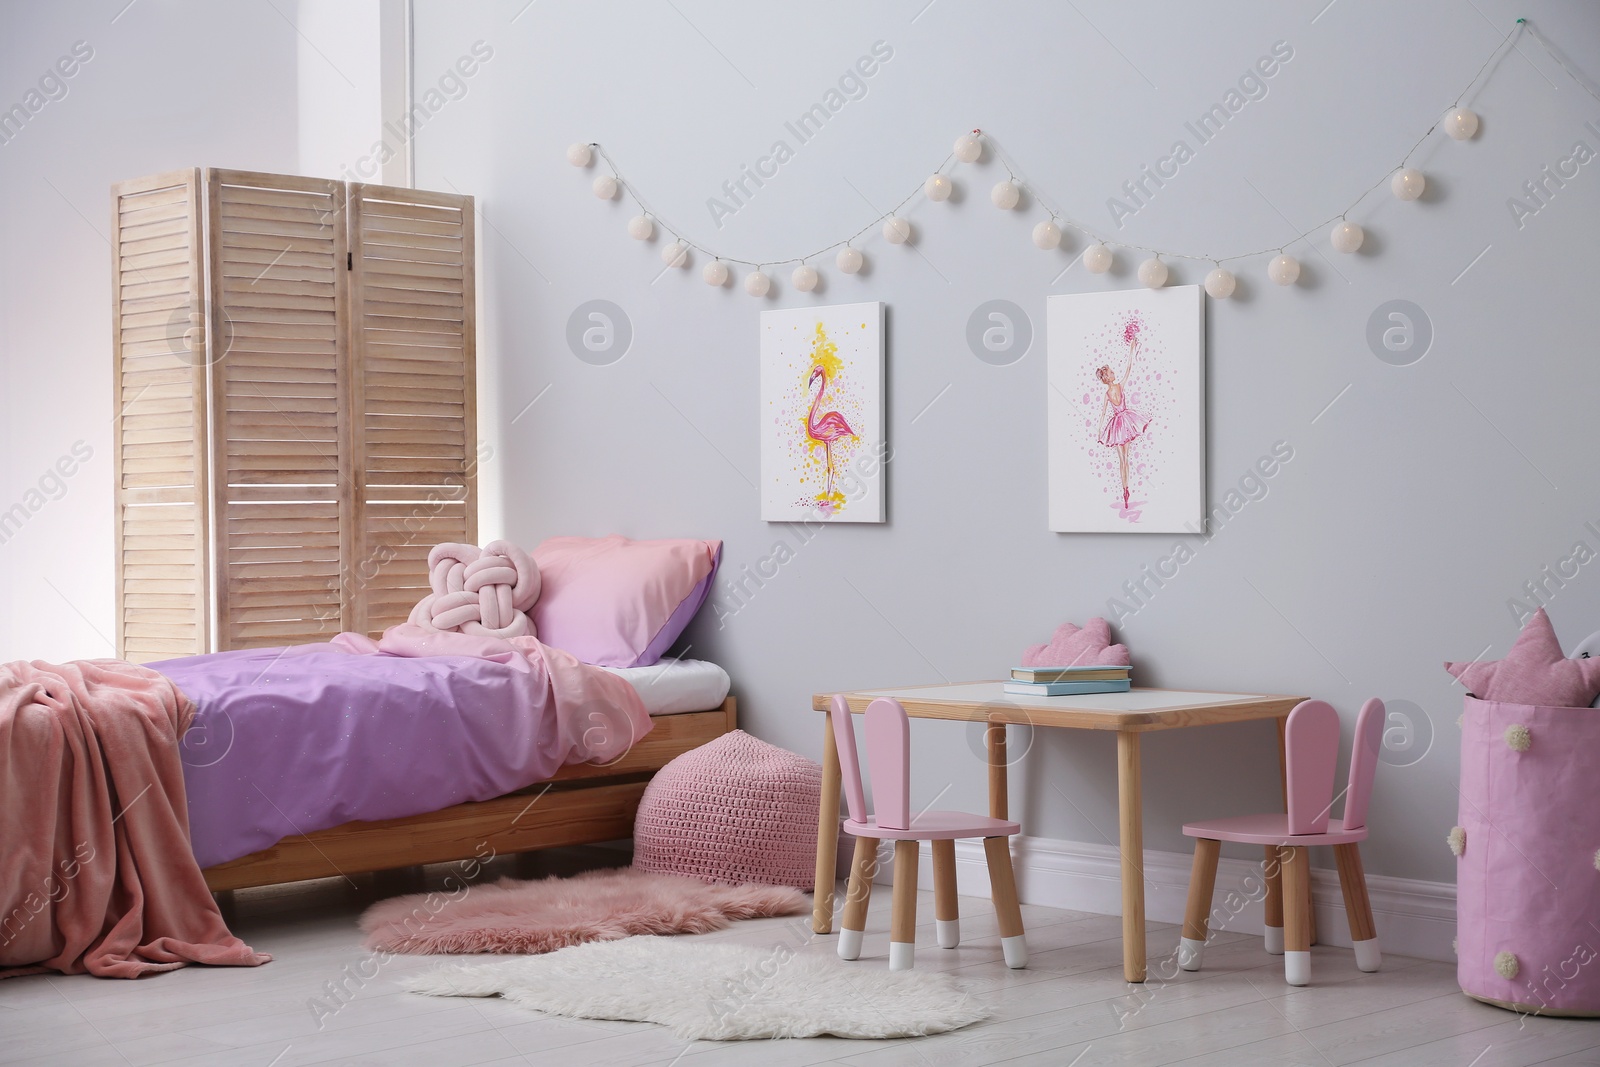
x=541, y=916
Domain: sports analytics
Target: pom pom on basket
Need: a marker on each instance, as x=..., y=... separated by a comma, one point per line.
x=735, y=810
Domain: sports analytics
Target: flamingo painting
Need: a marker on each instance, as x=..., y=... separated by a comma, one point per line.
x=823, y=456
x=827, y=429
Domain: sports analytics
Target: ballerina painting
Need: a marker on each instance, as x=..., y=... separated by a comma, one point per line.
x=1126, y=410
x=822, y=414
x=1120, y=425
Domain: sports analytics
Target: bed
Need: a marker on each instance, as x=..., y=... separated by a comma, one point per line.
x=303, y=763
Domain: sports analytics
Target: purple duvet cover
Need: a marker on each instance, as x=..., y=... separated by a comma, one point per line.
x=292, y=740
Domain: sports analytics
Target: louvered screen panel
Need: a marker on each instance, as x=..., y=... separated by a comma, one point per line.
x=278, y=249
x=414, y=388
x=158, y=392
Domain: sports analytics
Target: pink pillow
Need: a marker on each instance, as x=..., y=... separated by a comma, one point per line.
x=620, y=603
x=1533, y=672
x=1071, y=647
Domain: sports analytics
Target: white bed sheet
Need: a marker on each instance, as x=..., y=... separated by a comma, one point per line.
x=674, y=686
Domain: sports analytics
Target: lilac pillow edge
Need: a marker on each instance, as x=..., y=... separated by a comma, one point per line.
x=681, y=616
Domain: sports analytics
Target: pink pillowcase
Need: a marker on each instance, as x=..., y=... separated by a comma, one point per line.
x=620, y=603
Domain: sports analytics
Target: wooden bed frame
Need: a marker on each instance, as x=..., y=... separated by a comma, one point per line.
x=583, y=803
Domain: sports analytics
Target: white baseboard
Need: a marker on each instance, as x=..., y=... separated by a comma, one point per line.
x=1414, y=918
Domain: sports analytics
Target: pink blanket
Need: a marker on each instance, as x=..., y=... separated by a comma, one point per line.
x=98, y=875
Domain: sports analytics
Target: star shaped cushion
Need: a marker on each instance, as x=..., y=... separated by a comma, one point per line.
x=1533, y=672
x=1089, y=646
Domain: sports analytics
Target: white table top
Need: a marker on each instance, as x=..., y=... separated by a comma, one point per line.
x=1136, y=709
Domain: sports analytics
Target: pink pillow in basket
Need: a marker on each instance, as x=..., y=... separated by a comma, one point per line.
x=1533, y=672
x=620, y=603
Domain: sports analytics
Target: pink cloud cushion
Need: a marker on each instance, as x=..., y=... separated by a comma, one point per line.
x=1071, y=646
x=1533, y=672
x=615, y=602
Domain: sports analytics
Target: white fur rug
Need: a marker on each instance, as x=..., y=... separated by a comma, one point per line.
x=716, y=992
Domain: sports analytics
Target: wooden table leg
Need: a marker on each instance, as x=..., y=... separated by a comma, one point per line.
x=1131, y=841
x=1283, y=783
x=827, y=834
x=995, y=740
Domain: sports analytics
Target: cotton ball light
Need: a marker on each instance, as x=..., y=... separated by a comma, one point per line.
x=968, y=147
x=804, y=278
x=1461, y=123
x=1097, y=258
x=1047, y=235
x=1005, y=195
x=605, y=187
x=1284, y=270
x=1408, y=183
x=756, y=283
x=715, y=272
x=1220, y=283
x=1346, y=236
x=937, y=187
x=579, y=154
x=640, y=228
x=896, y=230
x=1153, y=273
x=848, y=260
x=676, y=254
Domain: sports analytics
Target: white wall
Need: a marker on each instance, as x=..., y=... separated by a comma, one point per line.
x=339, y=91
x=168, y=84
x=1413, y=509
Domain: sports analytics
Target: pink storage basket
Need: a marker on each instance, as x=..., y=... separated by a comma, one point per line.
x=734, y=810
x=1528, y=877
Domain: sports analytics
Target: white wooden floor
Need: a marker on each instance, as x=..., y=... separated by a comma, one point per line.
x=1070, y=1007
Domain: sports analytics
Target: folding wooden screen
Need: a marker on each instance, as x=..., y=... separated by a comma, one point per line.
x=158, y=391
x=329, y=438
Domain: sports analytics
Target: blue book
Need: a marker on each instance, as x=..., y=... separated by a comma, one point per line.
x=1062, y=689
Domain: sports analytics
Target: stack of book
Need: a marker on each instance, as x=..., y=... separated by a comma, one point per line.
x=1068, y=681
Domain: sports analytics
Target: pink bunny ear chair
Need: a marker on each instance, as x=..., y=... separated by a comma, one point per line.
x=1312, y=744
x=888, y=731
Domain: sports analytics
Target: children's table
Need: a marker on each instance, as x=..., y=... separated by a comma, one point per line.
x=1128, y=714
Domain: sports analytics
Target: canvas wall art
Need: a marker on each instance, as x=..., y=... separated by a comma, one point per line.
x=823, y=449
x=1126, y=410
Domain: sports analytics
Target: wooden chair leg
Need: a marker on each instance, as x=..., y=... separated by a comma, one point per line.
x=1272, y=872
x=903, y=925
x=863, y=867
x=1296, y=915
x=1202, y=884
x=1007, y=909
x=946, y=911
x=1363, y=931
x=1311, y=905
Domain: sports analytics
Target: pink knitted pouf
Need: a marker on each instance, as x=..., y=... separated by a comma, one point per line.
x=734, y=810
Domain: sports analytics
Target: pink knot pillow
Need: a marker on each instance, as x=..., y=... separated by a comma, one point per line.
x=734, y=810
x=620, y=603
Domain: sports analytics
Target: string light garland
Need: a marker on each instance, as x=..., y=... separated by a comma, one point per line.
x=1407, y=183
